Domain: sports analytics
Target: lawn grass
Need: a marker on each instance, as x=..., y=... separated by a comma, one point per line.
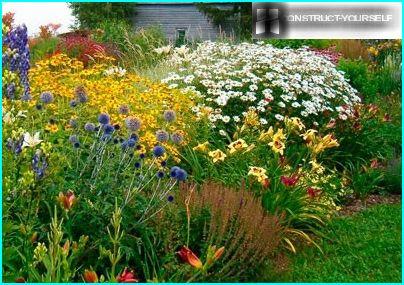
x=365, y=247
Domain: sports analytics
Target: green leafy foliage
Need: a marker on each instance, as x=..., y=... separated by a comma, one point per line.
x=90, y=14
x=293, y=43
x=363, y=248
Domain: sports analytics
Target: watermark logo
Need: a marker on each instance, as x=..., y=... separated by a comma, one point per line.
x=268, y=20
x=315, y=20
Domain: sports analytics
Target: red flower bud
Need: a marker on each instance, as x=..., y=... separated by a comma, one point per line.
x=90, y=276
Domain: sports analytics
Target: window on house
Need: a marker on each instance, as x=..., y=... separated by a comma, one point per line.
x=180, y=36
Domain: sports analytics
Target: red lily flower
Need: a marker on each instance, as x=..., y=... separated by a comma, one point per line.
x=186, y=255
x=374, y=163
x=386, y=118
x=127, y=276
x=312, y=192
x=289, y=181
x=67, y=200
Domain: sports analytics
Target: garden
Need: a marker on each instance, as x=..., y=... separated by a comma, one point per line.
x=128, y=158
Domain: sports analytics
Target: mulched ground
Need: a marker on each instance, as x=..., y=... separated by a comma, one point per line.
x=357, y=205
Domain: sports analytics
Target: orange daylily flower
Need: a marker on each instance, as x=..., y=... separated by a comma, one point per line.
x=186, y=255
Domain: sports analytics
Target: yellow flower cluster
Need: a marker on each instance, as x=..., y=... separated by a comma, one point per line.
x=259, y=173
x=318, y=144
x=107, y=92
x=394, y=45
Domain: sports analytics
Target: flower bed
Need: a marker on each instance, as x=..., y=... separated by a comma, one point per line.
x=233, y=79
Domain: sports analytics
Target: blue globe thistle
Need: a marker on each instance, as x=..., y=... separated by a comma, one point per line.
x=108, y=129
x=10, y=94
x=106, y=137
x=169, y=115
x=26, y=97
x=81, y=94
x=73, y=139
x=103, y=118
x=137, y=164
x=162, y=136
x=142, y=156
x=46, y=97
x=123, y=109
x=131, y=143
x=158, y=151
x=89, y=127
x=133, y=124
x=124, y=145
x=76, y=145
x=170, y=198
x=160, y=174
x=73, y=123
x=181, y=174
x=73, y=103
x=177, y=138
x=173, y=171
x=135, y=137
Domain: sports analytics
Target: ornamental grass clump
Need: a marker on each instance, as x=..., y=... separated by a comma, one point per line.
x=236, y=221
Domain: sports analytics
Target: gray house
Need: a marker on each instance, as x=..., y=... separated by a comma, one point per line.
x=181, y=21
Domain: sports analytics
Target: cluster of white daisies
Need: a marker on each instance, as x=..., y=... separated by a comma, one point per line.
x=234, y=79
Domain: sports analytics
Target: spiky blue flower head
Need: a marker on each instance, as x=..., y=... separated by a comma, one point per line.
x=10, y=94
x=89, y=127
x=81, y=94
x=76, y=144
x=123, y=109
x=173, y=171
x=108, y=129
x=162, y=136
x=177, y=138
x=169, y=115
x=160, y=174
x=103, y=118
x=137, y=164
x=124, y=145
x=133, y=124
x=46, y=97
x=26, y=97
x=106, y=137
x=158, y=151
x=135, y=137
x=73, y=139
x=73, y=123
x=142, y=156
x=73, y=103
x=131, y=143
x=181, y=175
x=170, y=198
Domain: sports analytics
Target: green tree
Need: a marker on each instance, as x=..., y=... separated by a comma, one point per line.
x=89, y=15
x=240, y=14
